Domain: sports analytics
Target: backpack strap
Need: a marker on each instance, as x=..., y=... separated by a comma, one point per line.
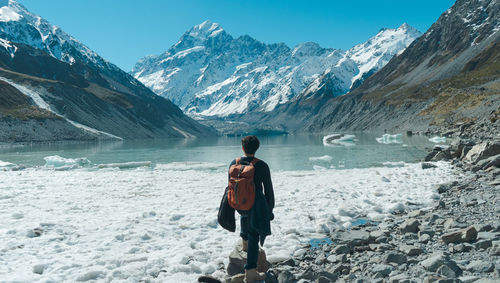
x=255, y=160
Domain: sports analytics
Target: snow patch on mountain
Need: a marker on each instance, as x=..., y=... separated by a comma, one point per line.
x=11, y=48
x=210, y=73
x=378, y=50
x=7, y=14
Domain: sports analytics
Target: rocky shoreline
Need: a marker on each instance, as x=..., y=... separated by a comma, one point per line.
x=455, y=240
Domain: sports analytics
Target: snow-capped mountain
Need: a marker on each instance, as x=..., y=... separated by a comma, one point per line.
x=208, y=72
x=51, y=75
x=19, y=25
x=373, y=54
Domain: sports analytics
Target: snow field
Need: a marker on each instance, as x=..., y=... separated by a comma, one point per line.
x=160, y=223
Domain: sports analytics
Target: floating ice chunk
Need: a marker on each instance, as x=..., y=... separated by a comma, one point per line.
x=62, y=163
x=437, y=139
x=388, y=139
x=317, y=167
x=126, y=165
x=6, y=164
x=339, y=139
x=325, y=158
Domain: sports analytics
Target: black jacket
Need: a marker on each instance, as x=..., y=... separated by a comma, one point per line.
x=260, y=214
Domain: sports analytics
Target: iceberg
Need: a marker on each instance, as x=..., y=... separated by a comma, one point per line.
x=339, y=139
x=437, y=139
x=388, y=139
x=325, y=158
x=61, y=163
x=6, y=164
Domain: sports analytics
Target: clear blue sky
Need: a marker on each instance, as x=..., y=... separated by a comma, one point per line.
x=123, y=31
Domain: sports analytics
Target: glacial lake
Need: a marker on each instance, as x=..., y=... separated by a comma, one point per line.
x=287, y=152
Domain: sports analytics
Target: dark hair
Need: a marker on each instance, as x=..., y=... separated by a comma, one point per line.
x=250, y=144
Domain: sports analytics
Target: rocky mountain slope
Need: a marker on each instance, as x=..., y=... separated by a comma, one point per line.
x=447, y=76
x=54, y=79
x=208, y=72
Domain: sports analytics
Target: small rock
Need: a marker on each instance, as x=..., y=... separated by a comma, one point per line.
x=424, y=238
x=452, y=237
x=462, y=248
x=39, y=268
x=327, y=277
x=495, y=248
x=484, y=228
x=465, y=235
x=426, y=165
x=410, y=226
x=37, y=232
x=395, y=258
x=285, y=277
x=342, y=249
x=483, y=244
x=411, y=250
x=479, y=266
x=378, y=233
x=443, y=188
x=446, y=272
x=382, y=269
x=433, y=262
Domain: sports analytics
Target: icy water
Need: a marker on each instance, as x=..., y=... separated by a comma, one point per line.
x=146, y=210
x=303, y=152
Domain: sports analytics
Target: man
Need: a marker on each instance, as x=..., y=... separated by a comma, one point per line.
x=255, y=224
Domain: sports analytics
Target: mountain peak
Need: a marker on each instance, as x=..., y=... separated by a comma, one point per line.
x=405, y=27
x=205, y=29
x=307, y=49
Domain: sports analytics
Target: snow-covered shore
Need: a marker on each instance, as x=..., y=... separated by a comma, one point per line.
x=160, y=222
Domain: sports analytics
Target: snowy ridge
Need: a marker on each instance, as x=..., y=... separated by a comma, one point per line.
x=378, y=50
x=208, y=72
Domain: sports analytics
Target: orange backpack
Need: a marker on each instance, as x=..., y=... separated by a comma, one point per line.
x=241, y=192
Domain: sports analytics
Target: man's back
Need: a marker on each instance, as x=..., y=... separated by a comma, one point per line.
x=262, y=179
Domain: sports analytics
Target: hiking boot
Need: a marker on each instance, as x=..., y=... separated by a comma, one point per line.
x=251, y=275
x=245, y=245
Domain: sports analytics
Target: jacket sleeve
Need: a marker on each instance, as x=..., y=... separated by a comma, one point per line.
x=268, y=187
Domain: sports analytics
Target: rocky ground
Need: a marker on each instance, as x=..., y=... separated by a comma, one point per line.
x=456, y=240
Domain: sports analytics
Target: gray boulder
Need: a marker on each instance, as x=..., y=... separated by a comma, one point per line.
x=483, y=151
x=493, y=161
